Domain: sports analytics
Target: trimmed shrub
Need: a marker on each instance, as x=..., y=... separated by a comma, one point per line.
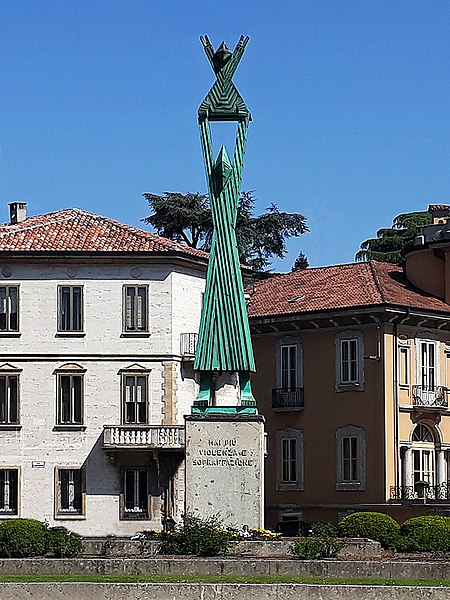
x=21, y=538
x=375, y=526
x=314, y=548
x=424, y=534
x=64, y=543
x=202, y=537
x=324, y=530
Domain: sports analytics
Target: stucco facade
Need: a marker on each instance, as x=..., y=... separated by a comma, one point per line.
x=353, y=373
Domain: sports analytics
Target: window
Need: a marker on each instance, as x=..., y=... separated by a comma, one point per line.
x=135, y=494
x=290, y=459
x=403, y=353
x=135, y=308
x=288, y=367
x=70, y=299
x=350, y=458
x=427, y=374
x=349, y=360
x=9, y=399
x=135, y=399
x=423, y=454
x=9, y=308
x=9, y=491
x=69, y=484
x=70, y=399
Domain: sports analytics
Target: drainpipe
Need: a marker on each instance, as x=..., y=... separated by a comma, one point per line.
x=396, y=404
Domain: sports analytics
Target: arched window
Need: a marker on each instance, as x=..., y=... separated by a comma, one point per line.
x=424, y=456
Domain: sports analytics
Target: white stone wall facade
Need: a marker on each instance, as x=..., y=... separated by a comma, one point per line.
x=103, y=351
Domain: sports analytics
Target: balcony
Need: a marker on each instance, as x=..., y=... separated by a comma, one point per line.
x=188, y=345
x=289, y=399
x=420, y=493
x=430, y=398
x=143, y=437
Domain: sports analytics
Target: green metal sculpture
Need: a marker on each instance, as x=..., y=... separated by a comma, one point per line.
x=224, y=342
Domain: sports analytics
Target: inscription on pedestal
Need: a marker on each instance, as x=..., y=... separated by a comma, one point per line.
x=224, y=470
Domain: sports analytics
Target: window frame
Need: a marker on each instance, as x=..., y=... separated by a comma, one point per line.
x=8, y=329
x=70, y=514
x=146, y=514
x=343, y=483
x=71, y=329
x=123, y=404
x=430, y=342
x=72, y=371
x=344, y=337
x=8, y=375
x=16, y=513
x=283, y=435
x=404, y=368
x=137, y=330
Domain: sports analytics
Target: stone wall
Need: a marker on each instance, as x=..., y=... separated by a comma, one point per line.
x=186, y=591
x=228, y=566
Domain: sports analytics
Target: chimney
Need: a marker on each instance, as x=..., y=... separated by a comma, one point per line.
x=17, y=212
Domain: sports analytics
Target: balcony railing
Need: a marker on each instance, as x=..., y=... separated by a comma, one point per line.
x=434, y=398
x=188, y=344
x=433, y=493
x=291, y=398
x=162, y=437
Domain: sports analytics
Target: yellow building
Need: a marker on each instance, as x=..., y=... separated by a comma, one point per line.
x=353, y=371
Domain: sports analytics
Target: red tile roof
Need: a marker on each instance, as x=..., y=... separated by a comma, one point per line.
x=75, y=230
x=338, y=287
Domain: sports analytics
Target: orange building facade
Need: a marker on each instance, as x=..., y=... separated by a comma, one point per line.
x=353, y=377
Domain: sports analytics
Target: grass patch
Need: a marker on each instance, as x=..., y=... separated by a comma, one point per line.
x=120, y=578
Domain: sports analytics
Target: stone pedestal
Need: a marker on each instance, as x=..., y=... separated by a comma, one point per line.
x=225, y=468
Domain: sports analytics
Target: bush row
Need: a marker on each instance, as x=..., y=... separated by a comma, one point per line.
x=23, y=538
x=418, y=534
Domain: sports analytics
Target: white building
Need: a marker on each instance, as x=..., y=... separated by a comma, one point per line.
x=94, y=381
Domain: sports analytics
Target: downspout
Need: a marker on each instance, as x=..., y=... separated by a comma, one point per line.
x=396, y=404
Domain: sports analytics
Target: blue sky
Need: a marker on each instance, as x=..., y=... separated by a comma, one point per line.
x=350, y=102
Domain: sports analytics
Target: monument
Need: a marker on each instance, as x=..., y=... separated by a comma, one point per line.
x=224, y=432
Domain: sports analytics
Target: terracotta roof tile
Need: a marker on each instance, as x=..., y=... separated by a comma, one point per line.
x=338, y=287
x=75, y=230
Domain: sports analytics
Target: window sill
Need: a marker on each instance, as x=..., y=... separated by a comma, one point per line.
x=289, y=487
x=10, y=427
x=349, y=387
x=287, y=408
x=357, y=486
x=11, y=334
x=138, y=517
x=9, y=515
x=69, y=517
x=70, y=334
x=136, y=334
x=69, y=427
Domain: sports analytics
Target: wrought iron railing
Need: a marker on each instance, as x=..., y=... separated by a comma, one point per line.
x=287, y=398
x=436, y=493
x=169, y=437
x=435, y=397
x=188, y=344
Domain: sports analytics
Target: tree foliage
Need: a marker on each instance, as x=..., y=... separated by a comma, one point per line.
x=301, y=262
x=389, y=243
x=187, y=218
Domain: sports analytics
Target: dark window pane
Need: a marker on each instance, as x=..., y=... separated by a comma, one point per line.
x=65, y=387
x=76, y=312
x=142, y=477
x=13, y=400
x=3, y=400
x=77, y=399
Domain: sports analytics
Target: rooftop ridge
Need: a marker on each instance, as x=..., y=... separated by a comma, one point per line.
x=377, y=280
